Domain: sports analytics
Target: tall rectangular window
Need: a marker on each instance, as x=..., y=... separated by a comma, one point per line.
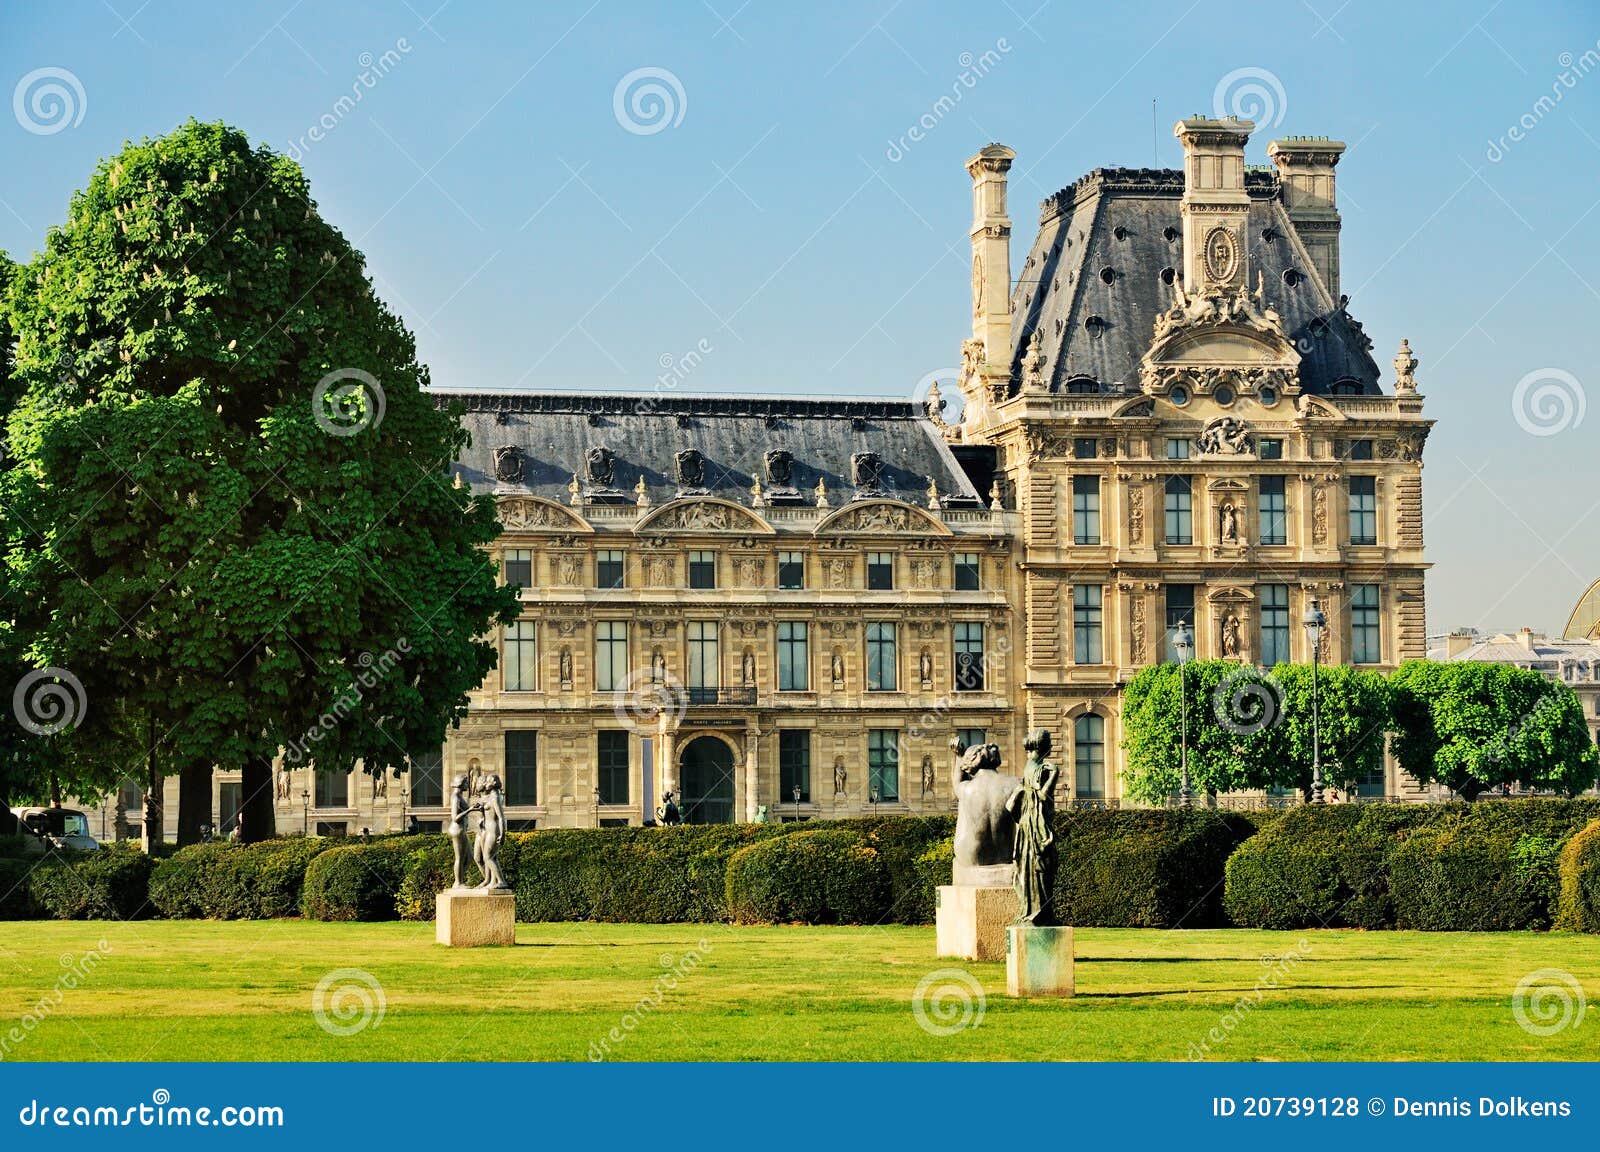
x=1180, y=511
x=333, y=790
x=610, y=655
x=702, y=570
x=522, y=657
x=1269, y=449
x=880, y=571
x=1274, y=527
x=969, y=572
x=608, y=568
x=1088, y=644
x=427, y=780
x=791, y=570
x=969, y=655
x=1086, y=509
x=882, y=659
x=611, y=767
x=1089, y=756
x=1274, y=624
x=883, y=763
x=1180, y=610
x=518, y=566
x=1366, y=631
x=1363, y=509
x=522, y=766
x=705, y=664
x=794, y=764
x=794, y=656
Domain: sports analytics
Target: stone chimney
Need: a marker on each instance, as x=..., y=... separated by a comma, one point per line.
x=1305, y=168
x=1216, y=208
x=1525, y=637
x=991, y=255
x=1458, y=642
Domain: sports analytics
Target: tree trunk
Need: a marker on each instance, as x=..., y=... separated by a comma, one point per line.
x=155, y=832
x=8, y=822
x=55, y=790
x=194, y=802
x=256, y=820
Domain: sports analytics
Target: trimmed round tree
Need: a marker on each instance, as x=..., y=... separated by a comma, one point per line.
x=233, y=514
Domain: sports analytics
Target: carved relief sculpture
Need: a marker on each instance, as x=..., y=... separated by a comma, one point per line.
x=1319, y=515
x=1136, y=514
x=569, y=568
x=601, y=465
x=691, y=468
x=508, y=464
x=1136, y=629
x=1224, y=436
x=838, y=569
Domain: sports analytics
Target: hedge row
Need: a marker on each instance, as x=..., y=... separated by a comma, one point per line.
x=1442, y=867
x=1525, y=864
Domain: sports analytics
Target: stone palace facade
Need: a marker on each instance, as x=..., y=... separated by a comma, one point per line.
x=789, y=606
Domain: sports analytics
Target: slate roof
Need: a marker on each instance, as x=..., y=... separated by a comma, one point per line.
x=555, y=432
x=1092, y=283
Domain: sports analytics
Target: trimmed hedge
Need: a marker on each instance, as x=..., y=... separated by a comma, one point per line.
x=814, y=876
x=1578, y=869
x=356, y=881
x=110, y=884
x=16, y=900
x=222, y=881
x=1441, y=867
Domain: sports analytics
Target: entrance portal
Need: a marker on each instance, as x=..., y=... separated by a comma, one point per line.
x=705, y=770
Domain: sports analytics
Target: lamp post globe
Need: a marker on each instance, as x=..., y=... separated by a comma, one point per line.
x=1183, y=644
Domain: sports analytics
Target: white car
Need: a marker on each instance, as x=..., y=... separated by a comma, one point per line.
x=48, y=828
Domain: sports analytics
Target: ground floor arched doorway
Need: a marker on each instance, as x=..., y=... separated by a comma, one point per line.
x=705, y=775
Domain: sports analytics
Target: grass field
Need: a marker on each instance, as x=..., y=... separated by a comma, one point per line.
x=190, y=990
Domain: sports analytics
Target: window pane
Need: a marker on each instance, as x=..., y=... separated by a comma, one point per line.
x=1363, y=510
x=519, y=567
x=794, y=656
x=333, y=790
x=521, y=657
x=702, y=570
x=1087, y=634
x=1085, y=447
x=794, y=764
x=882, y=663
x=1180, y=610
x=1365, y=628
x=610, y=655
x=1089, y=756
x=968, y=572
x=791, y=570
x=1274, y=624
x=880, y=571
x=522, y=767
x=427, y=780
x=972, y=737
x=883, y=763
x=611, y=767
x=1177, y=449
x=1269, y=449
x=704, y=655
x=1274, y=528
x=1180, y=521
x=608, y=569
x=1086, y=509
x=969, y=655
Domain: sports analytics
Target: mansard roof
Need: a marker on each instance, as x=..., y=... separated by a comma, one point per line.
x=643, y=435
x=1093, y=283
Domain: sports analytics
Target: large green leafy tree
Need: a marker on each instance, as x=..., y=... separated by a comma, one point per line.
x=231, y=515
x=1473, y=726
x=1249, y=728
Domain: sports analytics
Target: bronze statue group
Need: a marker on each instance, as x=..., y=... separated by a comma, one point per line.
x=1009, y=820
x=488, y=800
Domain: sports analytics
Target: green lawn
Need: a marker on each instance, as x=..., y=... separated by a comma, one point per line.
x=243, y=991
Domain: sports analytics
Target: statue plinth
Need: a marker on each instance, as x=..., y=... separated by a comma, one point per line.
x=1038, y=961
x=476, y=917
x=970, y=919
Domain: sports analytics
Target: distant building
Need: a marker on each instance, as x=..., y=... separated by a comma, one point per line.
x=1576, y=663
x=1169, y=417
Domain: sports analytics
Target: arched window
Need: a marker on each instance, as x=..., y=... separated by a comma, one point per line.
x=1089, y=756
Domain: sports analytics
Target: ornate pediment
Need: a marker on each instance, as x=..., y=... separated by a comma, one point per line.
x=1220, y=337
x=882, y=517
x=1230, y=594
x=703, y=515
x=532, y=514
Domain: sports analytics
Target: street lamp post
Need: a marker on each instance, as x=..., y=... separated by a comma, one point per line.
x=305, y=811
x=1315, y=621
x=872, y=798
x=1183, y=641
x=796, y=794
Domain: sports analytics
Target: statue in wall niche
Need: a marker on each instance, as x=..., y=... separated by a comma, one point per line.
x=985, y=825
x=566, y=666
x=925, y=666
x=1230, y=635
x=927, y=776
x=456, y=829
x=1035, y=857
x=840, y=777
x=838, y=668
x=1230, y=523
x=749, y=668
x=658, y=667
x=282, y=784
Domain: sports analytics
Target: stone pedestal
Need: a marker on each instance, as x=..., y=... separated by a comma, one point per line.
x=1038, y=961
x=970, y=921
x=473, y=917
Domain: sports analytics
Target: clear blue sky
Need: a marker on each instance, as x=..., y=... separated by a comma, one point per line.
x=529, y=238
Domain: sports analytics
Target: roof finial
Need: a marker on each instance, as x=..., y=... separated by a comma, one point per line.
x=574, y=491
x=1405, y=367
x=822, y=493
x=641, y=494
